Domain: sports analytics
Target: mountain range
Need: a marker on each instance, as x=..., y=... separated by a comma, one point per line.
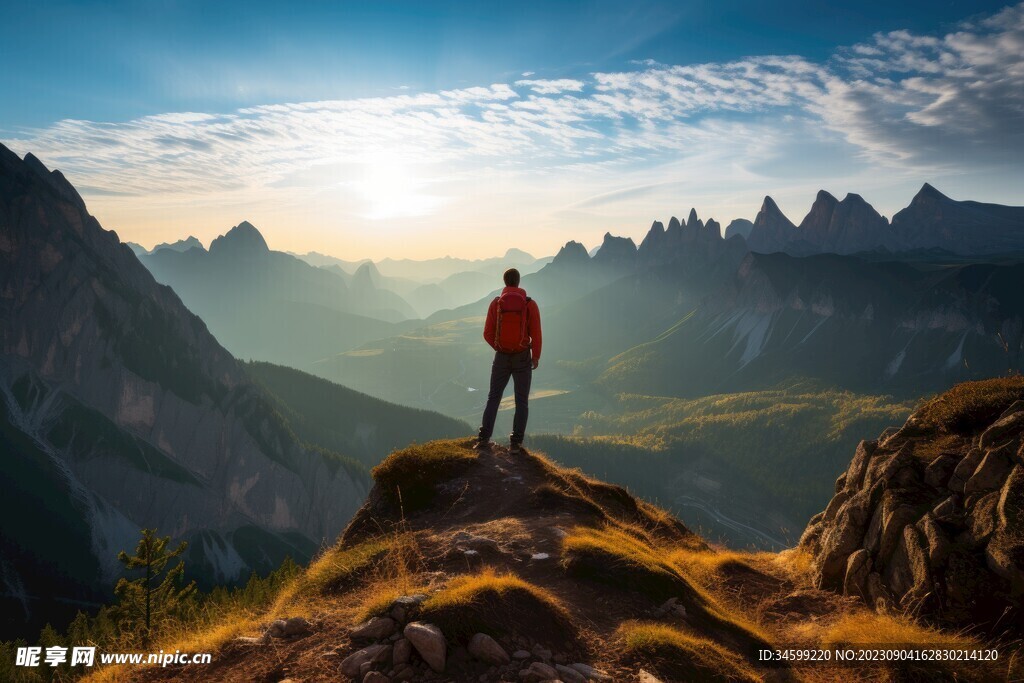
x=931, y=221
x=119, y=410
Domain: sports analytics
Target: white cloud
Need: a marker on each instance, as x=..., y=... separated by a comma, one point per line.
x=552, y=87
x=904, y=101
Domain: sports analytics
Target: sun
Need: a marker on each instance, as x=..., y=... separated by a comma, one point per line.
x=390, y=188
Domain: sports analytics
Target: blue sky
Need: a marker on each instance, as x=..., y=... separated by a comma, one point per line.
x=466, y=128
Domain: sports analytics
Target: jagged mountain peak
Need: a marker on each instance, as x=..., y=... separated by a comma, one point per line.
x=191, y=242
x=243, y=238
x=572, y=252
x=56, y=180
x=518, y=256
x=673, y=225
x=825, y=196
x=692, y=220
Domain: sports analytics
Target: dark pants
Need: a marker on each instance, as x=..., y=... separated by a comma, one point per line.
x=518, y=366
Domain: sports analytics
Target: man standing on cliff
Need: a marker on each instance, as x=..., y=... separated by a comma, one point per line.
x=513, y=331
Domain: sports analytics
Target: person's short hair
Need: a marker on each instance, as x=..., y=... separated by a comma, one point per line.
x=511, y=277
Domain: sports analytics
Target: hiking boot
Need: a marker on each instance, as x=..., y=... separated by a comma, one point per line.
x=515, y=448
x=482, y=445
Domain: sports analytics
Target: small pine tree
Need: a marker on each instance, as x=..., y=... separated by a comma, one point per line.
x=158, y=594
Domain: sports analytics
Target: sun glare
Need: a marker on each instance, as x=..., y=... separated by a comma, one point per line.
x=390, y=188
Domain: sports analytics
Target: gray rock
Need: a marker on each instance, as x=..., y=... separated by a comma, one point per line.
x=400, y=655
x=351, y=665
x=277, y=629
x=982, y=519
x=486, y=649
x=375, y=677
x=297, y=626
x=376, y=628
x=429, y=642
x=938, y=543
x=858, y=566
x=1002, y=430
x=1010, y=507
x=522, y=654
x=964, y=469
x=990, y=474
x=541, y=671
x=939, y=470
x=569, y=674
x=590, y=673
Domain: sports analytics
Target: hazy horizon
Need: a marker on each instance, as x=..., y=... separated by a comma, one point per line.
x=421, y=154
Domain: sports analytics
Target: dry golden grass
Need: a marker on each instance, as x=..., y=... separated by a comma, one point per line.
x=971, y=405
x=795, y=563
x=612, y=555
x=681, y=655
x=708, y=563
x=874, y=630
x=618, y=558
x=409, y=476
x=498, y=604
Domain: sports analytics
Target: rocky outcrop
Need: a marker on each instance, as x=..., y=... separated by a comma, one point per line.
x=930, y=519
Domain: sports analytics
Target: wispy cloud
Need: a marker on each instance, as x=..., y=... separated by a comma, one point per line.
x=904, y=102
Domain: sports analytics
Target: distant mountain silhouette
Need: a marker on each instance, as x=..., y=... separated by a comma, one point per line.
x=272, y=306
x=119, y=410
x=932, y=221
x=181, y=245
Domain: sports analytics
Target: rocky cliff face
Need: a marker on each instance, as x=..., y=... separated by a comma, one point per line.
x=117, y=400
x=930, y=518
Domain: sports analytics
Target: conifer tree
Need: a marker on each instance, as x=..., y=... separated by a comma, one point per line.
x=157, y=594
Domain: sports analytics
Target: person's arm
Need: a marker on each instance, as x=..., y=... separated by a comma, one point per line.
x=536, y=339
x=492, y=312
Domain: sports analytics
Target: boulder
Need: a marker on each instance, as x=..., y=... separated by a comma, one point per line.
x=858, y=566
x=964, y=469
x=277, y=629
x=429, y=643
x=375, y=677
x=843, y=538
x=982, y=520
x=351, y=665
x=990, y=473
x=401, y=653
x=1002, y=430
x=486, y=649
x=936, y=539
x=590, y=673
x=541, y=671
x=939, y=470
x=1004, y=555
x=908, y=574
x=1010, y=506
x=376, y=628
x=567, y=674
x=297, y=626
x=892, y=529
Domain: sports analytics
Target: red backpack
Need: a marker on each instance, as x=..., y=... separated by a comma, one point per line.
x=510, y=333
